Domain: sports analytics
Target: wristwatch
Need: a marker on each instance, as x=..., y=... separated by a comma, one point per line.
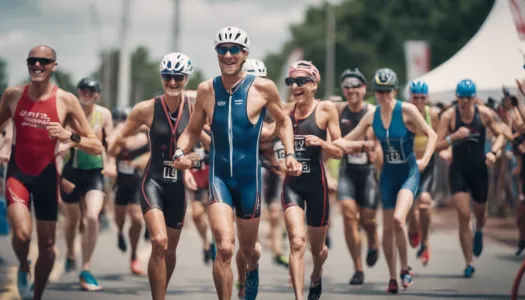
x=290, y=154
x=75, y=137
x=449, y=140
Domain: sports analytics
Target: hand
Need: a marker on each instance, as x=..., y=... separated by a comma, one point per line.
x=293, y=167
x=63, y=149
x=110, y=170
x=189, y=181
x=5, y=155
x=461, y=133
x=312, y=140
x=490, y=159
x=55, y=130
x=193, y=156
x=421, y=165
x=369, y=145
x=446, y=156
x=67, y=186
x=182, y=163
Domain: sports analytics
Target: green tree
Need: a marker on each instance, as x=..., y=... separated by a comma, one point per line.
x=3, y=75
x=370, y=33
x=64, y=81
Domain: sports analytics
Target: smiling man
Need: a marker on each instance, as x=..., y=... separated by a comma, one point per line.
x=236, y=104
x=39, y=111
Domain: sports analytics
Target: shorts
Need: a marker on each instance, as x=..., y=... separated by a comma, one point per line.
x=169, y=197
x=84, y=181
x=397, y=177
x=41, y=189
x=359, y=183
x=311, y=190
x=127, y=194
x=463, y=179
x=426, y=181
x=199, y=195
x=272, y=187
x=201, y=177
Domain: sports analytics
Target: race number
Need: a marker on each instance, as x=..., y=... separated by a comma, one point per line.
x=305, y=162
x=300, y=143
x=278, y=149
x=169, y=172
x=357, y=158
x=125, y=167
x=393, y=156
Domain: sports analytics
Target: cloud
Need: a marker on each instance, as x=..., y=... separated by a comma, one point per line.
x=71, y=27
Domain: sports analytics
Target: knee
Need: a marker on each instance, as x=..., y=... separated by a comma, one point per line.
x=369, y=224
x=225, y=250
x=424, y=202
x=349, y=216
x=136, y=220
x=159, y=245
x=398, y=223
x=46, y=246
x=22, y=235
x=197, y=213
x=91, y=220
x=298, y=244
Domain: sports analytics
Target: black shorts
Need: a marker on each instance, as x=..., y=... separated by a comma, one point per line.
x=272, y=187
x=127, y=194
x=169, y=197
x=311, y=190
x=199, y=195
x=41, y=189
x=426, y=181
x=470, y=179
x=84, y=181
x=359, y=183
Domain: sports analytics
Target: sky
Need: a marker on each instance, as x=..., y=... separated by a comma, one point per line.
x=68, y=26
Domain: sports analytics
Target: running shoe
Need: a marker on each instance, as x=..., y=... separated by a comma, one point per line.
x=469, y=272
x=414, y=239
x=371, y=257
x=88, y=282
x=281, y=260
x=136, y=269
x=393, y=288
x=316, y=288
x=423, y=254
x=406, y=278
x=358, y=278
x=251, y=286
x=71, y=265
x=478, y=243
x=24, y=288
x=122, y=242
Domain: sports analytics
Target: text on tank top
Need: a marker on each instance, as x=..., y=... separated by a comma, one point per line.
x=470, y=150
x=396, y=141
x=163, y=135
x=34, y=149
x=421, y=139
x=308, y=156
x=348, y=121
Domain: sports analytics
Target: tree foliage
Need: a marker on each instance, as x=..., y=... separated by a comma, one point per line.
x=3, y=75
x=64, y=81
x=370, y=33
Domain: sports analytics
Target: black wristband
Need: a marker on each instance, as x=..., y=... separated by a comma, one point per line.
x=289, y=154
x=75, y=137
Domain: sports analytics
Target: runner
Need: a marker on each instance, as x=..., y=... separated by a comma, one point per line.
x=236, y=104
x=400, y=173
x=357, y=188
x=85, y=172
x=419, y=218
x=312, y=121
x=39, y=111
x=271, y=183
x=130, y=167
x=463, y=126
x=163, y=198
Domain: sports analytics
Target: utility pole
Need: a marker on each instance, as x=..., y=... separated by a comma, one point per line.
x=175, y=46
x=330, y=50
x=124, y=70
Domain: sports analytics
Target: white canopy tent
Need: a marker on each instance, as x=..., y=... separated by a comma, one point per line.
x=492, y=58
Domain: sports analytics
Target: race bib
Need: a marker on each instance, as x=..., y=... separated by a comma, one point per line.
x=300, y=143
x=125, y=167
x=169, y=172
x=357, y=158
x=278, y=149
x=393, y=156
x=305, y=162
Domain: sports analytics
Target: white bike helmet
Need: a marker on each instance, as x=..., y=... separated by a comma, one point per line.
x=255, y=67
x=176, y=63
x=232, y=35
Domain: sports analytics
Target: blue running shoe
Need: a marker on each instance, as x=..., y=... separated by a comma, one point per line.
x=88, y=282
x=71, y=265
x=24, y=289
x=251, y=286
x=406, y=278
x=469, y=271
x=478, y=243
x=213, y=251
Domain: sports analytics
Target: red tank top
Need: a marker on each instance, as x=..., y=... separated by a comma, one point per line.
x=34, y=149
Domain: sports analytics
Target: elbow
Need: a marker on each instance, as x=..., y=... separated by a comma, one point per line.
x=336, y=154
x=96, y=148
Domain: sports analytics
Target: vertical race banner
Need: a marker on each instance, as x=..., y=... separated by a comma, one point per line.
x=295, y=55
x=417, y=58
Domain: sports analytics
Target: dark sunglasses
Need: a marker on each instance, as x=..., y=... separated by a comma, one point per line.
x=466, y=98
x=354, y=86
x=176, y=77
x=88, y=89
x=300, y=81
x=419, y=97
x=43, y=61
x=222, y=50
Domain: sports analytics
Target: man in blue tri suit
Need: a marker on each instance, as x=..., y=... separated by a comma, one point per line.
x=236, y=104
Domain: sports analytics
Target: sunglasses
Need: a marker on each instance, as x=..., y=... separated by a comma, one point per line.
x=88, y=89
x=43, y=61
x=419, y=98
x=300, y=81
x=466, y=98
x=354, y=86
x=222, y=50
x=176, y=77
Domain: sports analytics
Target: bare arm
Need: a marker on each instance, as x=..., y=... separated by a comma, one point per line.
x=8, y=96
x=350, y=142
x=335, y=132
x=89, y=142
x=283, y=123
x=205, y=140
x=443, y=130
x=193, y=131
x=135, y=120
x=108, y=129
x=417, y=119
x=495, y=128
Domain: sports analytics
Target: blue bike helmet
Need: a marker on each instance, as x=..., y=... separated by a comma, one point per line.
x=466, y=88
x=418, y=87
